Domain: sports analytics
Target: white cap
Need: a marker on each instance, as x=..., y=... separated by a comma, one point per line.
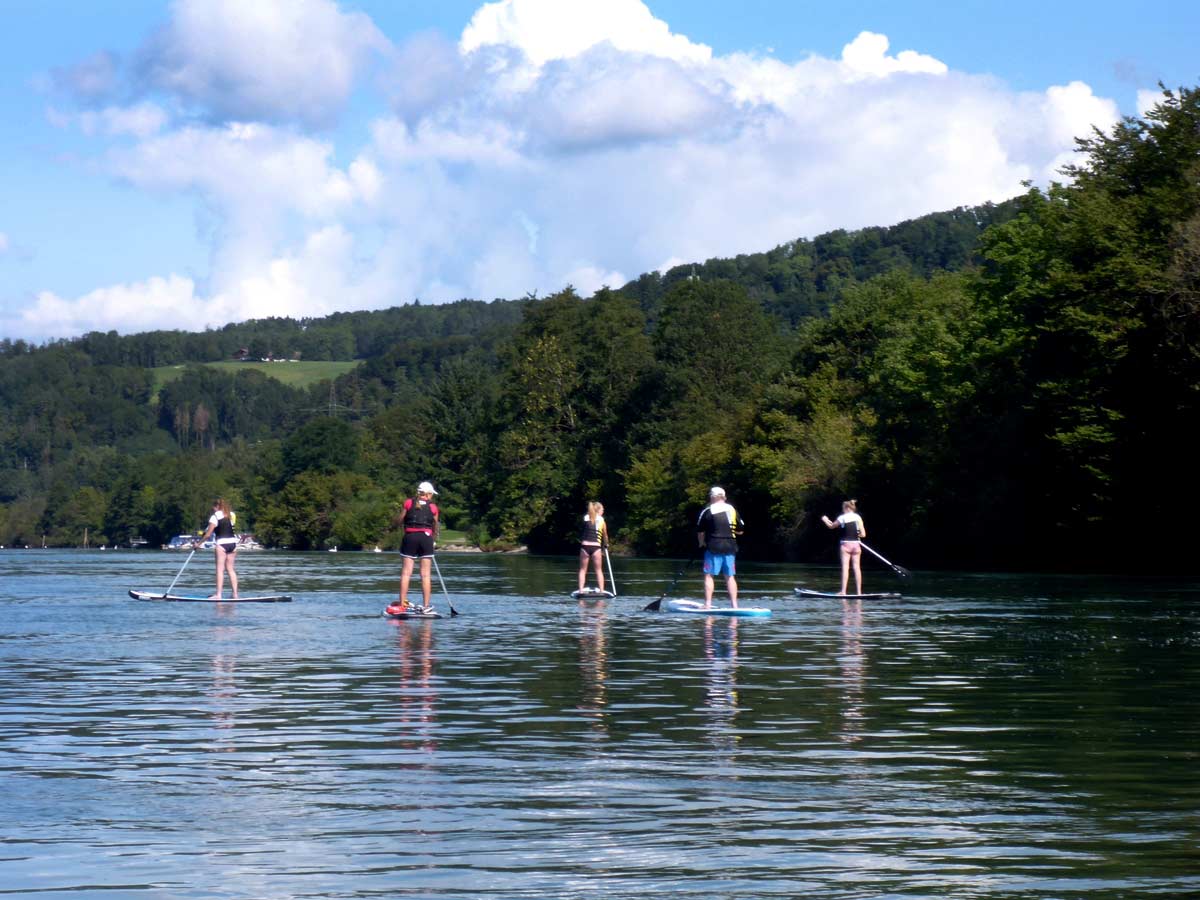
x=716, y=492
x=425, y=487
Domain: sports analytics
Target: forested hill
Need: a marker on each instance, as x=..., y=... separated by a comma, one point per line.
x=805, y=278
x=996, y=386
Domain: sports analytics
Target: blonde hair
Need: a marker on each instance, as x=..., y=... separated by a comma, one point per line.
x=849, y=506
x=595, y=510
x=223, y=505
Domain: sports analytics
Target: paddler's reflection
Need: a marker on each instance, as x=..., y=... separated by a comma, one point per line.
x=721, y=689
x=593, y=664
x=416, y=700
x=223, y=692
x=853, y=667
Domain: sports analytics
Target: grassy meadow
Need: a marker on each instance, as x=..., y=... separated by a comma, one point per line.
x=297, y=374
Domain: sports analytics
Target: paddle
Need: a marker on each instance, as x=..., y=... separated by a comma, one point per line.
x=899, y=570
x=453, y=611
x=612, y=581
x=181, y=568
x=655, y=605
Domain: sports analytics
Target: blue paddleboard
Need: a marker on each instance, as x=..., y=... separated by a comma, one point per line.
x=697, y=608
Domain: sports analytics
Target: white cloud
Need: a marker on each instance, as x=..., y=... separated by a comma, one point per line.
x=141, y=120
x=867, y=55
x=155, y=303
x=559, y=142
x=1147, y=100
x=275, y=60
x=545, y=30
x=248, y=169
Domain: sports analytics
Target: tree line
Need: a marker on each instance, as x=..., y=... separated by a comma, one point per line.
x=1000, y=387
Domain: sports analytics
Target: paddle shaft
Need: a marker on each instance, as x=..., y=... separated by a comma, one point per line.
x=655, y=605
x=899, y=570
x=442, y=581
x=181, y=568
x=611, y=581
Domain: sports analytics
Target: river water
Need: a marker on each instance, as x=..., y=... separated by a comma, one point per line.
x=984, y=737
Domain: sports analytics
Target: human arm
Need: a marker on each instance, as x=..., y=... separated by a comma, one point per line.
x=829, y=523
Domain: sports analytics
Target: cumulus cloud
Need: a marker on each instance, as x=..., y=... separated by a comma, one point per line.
x=155, y=303
x=545, y=30
x=293, y=61
x=556, y=142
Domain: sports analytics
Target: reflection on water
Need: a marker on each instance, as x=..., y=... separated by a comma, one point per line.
x=593, y=664
x=721, y=693
x=990, y=737
x=853, y=665
x=416, y=695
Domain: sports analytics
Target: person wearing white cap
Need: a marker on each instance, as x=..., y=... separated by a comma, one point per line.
x=421, y=524
x=716, y=532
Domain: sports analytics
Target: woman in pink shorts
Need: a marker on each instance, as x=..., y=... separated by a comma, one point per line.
x=853, y=531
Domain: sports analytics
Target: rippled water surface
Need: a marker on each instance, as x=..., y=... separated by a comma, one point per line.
x=984, y=737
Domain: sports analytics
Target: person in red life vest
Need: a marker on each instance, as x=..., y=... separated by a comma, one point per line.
x=716, y=533
x=420, y=520
x=220, y=525
x=853, y=530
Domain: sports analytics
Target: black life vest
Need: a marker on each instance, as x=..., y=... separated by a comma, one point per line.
x=224, y=529
x=592, y=533
x=721, y=530
x=418, y=516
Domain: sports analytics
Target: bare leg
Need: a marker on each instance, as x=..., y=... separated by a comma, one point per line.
x=426, y=579
x=708, y=590
x=405, y=574
x=857, y=572
x=583, y=561
x=598, y=565
x=230, y=561
x=731, y=588
x=845, y=568
x=217, y=554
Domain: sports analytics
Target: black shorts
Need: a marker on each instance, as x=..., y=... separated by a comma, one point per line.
x=228, y=548
x=416, y=544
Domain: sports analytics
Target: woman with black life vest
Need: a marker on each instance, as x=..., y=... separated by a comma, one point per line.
x=420, y=520
x=716, y=533
x=593, y=541
x=853, y=530
x=220, y=526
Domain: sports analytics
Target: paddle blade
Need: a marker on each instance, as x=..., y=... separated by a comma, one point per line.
x=653, y=605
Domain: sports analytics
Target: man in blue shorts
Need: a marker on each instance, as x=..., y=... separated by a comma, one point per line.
x=716, y=531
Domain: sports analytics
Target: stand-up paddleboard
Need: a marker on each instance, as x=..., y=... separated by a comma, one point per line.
x=196, y=598
x=592, y=593
x=696, y=607
x=805, y=592
x=403, y=612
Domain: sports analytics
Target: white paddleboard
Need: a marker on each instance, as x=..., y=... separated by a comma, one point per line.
x=805, y=592
x=196, y=598
x=592, y=593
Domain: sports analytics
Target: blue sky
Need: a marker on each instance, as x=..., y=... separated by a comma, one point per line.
x=185, y=164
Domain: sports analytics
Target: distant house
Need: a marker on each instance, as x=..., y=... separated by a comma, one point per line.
x=241, y=354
